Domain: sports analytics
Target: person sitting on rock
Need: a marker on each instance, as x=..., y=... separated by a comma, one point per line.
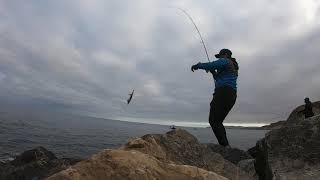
x=225, y=74
x=308, y=112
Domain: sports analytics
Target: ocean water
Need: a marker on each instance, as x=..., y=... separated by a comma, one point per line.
x=79, y=137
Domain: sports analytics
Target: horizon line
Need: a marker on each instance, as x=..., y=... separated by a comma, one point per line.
x=185, y=123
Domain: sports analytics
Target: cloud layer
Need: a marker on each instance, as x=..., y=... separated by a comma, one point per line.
x=86, y=56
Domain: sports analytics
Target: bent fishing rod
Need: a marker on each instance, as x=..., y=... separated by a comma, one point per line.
x=198, y=31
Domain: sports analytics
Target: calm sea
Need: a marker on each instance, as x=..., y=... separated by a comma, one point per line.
x=75, y=136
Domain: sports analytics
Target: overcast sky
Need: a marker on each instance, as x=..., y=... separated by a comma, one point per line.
x=86, y=56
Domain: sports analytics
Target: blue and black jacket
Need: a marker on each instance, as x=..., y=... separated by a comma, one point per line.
x=225, y=72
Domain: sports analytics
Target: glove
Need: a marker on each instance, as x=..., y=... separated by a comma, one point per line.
x=213, y=72
x=195, y=67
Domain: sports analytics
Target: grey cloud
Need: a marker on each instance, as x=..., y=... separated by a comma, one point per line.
x=87, y=56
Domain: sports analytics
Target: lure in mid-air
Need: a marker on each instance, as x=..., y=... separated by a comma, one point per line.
x=130, y=97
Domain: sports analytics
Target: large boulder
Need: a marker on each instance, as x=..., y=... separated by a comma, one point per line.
x=34, y=164
x=180, y=147
x=174, y=155
x=121, y=164
x=291, y=152
x=297, y=114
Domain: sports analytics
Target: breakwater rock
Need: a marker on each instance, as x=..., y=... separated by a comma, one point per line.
x=174, y=155
x=290, y=152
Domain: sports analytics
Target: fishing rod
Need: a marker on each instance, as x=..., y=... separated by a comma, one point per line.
x=198, y=31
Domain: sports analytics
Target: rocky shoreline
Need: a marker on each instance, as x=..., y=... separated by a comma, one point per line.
x=174, y=155
x=291, y=151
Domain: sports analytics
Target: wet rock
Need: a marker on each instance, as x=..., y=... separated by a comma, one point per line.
x=37, y=154
x=34, y=164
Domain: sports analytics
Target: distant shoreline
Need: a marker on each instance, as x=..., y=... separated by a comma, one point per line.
x=191, y=124
x=249, y=128
x=271, y=126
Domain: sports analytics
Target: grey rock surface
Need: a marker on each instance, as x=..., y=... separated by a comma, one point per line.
x=248, y=166
x=291, y=152
x=233, y=155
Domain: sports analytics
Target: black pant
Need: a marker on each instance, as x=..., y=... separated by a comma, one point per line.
x=222, y=102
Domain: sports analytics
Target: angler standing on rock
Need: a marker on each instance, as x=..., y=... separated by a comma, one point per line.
x=225, y=74
x=308, y=112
